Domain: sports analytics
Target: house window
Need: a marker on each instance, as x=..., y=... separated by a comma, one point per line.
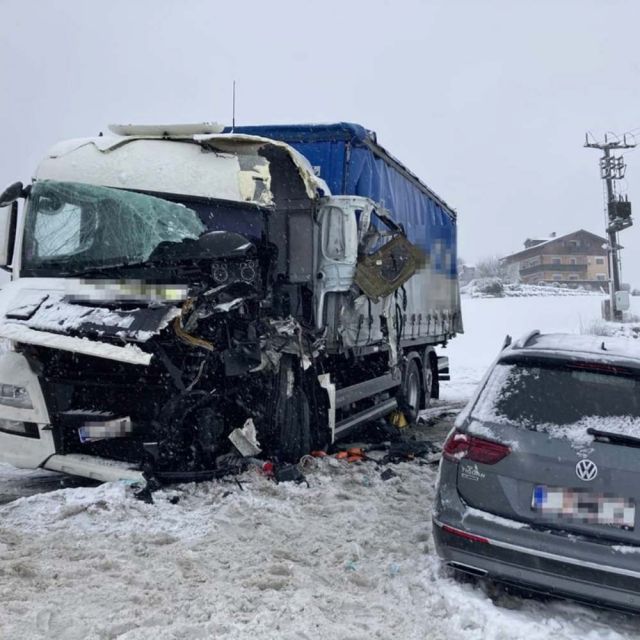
x=601, y=276
x=599, y=260
x=573, y=261
x=557, y=276
x=573, y=276
x=556, y=261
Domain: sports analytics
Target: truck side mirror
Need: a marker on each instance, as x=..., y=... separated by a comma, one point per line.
x=11, y=194
x=8, y=220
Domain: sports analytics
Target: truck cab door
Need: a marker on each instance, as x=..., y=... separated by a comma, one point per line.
x=336, y=247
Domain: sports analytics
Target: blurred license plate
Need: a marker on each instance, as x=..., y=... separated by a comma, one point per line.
x=582, y=506
x=105, y=429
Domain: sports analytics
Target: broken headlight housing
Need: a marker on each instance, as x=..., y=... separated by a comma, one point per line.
x=14, y=396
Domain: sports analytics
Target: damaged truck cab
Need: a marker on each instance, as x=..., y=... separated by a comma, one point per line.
x=173, y=285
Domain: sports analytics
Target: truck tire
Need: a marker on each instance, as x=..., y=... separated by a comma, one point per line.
x=429, y=379
x=411, y=390
x=295, y=426
x=190, y=434
x=292, y=414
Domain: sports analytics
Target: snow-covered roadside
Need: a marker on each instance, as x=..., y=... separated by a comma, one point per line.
x=478, y=289
x=349, y=557
x=488, y=320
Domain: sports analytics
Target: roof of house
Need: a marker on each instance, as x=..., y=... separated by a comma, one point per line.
x=550, y=240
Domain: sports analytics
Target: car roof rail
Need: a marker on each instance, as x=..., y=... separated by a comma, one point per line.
x=524, y=340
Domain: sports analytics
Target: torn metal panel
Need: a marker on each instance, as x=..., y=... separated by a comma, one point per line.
x=325, y=382
x=179, y=164
x=314, y=185
x=57, y=314
x=101, y=469
x=363, y=322
x=20, y=333
x=288, y=336
x=147, y=165
x=245, y=440
x=28, y=303
x=384, y=271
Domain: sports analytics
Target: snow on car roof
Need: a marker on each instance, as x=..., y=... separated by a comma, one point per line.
x=597, y=347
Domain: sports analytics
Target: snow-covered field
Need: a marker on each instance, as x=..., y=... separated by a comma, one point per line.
x=349, y=557
x=488, y=320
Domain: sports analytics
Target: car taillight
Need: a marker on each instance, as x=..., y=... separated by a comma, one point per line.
x=456, y=446
x=464, y=534
x=462, y=445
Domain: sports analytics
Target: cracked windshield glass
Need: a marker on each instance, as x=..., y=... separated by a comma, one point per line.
x=70, y=227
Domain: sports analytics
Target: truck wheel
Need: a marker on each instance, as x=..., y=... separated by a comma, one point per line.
x=190, y=433
x=292, y=415
x=411, y=390
x=295, y=426
x=429, y=377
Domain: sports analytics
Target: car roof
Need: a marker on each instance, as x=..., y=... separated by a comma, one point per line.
x=607, y=349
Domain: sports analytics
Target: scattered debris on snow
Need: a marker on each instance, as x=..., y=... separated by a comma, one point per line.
x=284, y=561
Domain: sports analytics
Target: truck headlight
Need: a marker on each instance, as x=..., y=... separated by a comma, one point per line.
x=14, y=396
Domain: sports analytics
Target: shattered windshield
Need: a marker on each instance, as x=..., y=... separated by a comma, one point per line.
x=71, y=226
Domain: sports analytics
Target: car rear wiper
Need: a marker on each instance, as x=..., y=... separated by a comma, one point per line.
x=614, y=438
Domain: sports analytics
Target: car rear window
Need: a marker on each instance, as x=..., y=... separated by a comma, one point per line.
x=541, y=395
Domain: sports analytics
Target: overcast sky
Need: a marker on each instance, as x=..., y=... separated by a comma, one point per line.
x=488, y=102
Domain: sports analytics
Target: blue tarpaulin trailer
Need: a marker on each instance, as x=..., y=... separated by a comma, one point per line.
x=351, y=162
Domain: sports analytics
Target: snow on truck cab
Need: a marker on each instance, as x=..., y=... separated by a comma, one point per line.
x=175, y=288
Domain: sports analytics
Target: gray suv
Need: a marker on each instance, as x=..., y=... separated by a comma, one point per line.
x=539, y=482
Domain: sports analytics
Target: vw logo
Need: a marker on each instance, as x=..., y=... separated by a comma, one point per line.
x=586, y=470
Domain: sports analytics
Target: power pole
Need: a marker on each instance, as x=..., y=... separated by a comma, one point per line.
x=613, y=168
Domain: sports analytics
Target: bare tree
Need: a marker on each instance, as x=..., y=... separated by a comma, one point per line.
x=492, y=267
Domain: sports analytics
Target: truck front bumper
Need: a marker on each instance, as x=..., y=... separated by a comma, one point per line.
x=26, y=439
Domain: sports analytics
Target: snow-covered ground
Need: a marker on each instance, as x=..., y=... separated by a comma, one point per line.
x=349, y=557
x=487, y=321
x=486, y=288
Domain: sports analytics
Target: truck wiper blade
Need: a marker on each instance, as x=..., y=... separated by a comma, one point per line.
x=614, y=438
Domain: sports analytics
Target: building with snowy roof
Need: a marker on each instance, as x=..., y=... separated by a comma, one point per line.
x=576, y=259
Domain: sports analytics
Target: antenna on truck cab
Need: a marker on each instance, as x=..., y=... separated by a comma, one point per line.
x=233, y=108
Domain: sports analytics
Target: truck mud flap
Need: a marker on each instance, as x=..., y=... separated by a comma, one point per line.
x=443, y=368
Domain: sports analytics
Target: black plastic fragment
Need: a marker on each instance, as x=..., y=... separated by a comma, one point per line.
x=289, y=473
x=387, y=474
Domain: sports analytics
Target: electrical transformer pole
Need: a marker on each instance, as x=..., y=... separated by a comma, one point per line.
x=618, y=211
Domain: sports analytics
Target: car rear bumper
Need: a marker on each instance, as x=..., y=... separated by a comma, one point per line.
x=537, y=569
